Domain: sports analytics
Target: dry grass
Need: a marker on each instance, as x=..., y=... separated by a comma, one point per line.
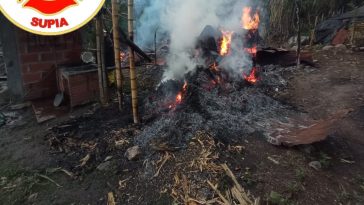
x=198, y=175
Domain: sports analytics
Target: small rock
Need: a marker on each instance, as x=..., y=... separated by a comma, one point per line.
x=32, y=198
x=294, y=48
x=327, y=48
x=340, y=47
x=104, y=166
x=309, y=149
x=133, y=153
x=293, y=40
x=108, y=158
x=20, y=106
x=315, y=165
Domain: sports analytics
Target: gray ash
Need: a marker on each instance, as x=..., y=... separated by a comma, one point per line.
x=230, y=110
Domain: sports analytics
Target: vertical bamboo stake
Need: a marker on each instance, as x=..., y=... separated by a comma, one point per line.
x=298, y=10
x=313, y=35
x=118, y=73
x=133, y=80
x=105, y=79
x=155, y=47
x=352, y=38
x=99, y=58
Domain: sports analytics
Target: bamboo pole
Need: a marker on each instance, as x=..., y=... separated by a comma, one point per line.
x=352, y=38
x=133, y=78
x=118, y=73
x=155, y=47
x=99, y=58
x=298, y=11
x=105, y=79
x=313, y=35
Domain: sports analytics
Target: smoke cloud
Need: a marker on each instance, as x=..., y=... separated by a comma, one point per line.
x=182, y=22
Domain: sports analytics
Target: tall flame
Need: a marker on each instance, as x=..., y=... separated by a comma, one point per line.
x=181, y=93
x=179, y=97
x=252, y=77
x=226, y=42
x=250, y=21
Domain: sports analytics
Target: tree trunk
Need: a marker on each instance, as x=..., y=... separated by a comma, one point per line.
x=118, y=73
x=133, y=80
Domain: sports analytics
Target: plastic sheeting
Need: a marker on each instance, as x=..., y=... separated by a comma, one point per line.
x=327, y=30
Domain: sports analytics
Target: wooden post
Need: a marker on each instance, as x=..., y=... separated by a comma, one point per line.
x=298, y=11
x=313, y=35
x=105, y=79
x=352, y=38
x=118, y=73
x=155, y=47
x=100, y=62
x=133, y=77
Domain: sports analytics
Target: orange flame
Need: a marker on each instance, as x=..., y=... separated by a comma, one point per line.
x=122, y=56
x=226, y=42
x=250, y=21
x=214, y=67
x=252, y=51
x=252, y=78
x=179, y=96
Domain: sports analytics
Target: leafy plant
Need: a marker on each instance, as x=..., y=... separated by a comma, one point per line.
x=294, y=187
x=300, y=175
x=325, y=160
x=248, y=178
x=277, y=199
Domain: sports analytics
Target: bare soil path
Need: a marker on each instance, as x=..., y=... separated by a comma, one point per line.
x=278, y=175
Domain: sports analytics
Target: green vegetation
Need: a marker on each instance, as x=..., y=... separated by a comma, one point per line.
x=88, y=31
x=248, y=178
x=17, y=185
x=277, y=199
x=325, y=160
x=300, y=175
x=281, y=13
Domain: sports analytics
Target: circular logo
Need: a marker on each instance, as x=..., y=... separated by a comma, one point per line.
x=50, y=17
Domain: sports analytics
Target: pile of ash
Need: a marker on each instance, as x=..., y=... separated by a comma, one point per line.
x=229, y=110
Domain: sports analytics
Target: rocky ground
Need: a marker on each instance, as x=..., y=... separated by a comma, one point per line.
x=81, y=157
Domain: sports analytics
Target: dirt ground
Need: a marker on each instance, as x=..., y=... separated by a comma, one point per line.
x=37, y=168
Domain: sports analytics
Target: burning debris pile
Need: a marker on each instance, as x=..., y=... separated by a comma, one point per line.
x=227, y=102
x=229, y=110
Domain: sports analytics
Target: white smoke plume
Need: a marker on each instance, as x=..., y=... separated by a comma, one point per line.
x=183, y=21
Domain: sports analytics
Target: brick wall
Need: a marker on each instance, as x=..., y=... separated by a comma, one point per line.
x=83, y=88
x=40, y=56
